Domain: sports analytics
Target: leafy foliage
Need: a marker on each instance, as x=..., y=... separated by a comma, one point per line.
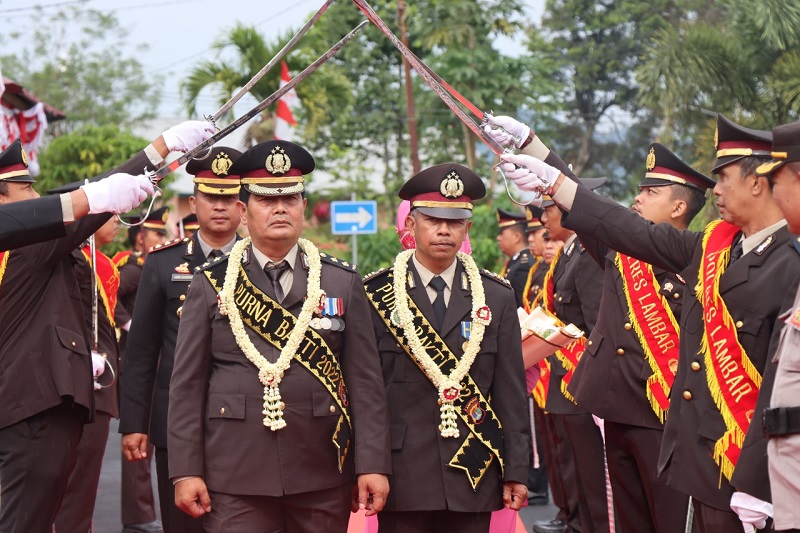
x=91, y=74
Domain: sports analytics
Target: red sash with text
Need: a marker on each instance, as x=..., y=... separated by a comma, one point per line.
x=732, y=379
x=569, y=355
x=107, y=280
x=655, y=326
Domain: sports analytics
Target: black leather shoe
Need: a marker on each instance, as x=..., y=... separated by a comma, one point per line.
x=549, y=526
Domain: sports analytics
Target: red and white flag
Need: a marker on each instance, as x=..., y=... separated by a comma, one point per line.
x=285, y=123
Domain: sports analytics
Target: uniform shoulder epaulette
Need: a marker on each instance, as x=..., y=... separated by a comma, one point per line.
x=377, y=273
x=499, y=279
x=337, y=262
x=796, y=244
x=169, y=244
x=212, y=263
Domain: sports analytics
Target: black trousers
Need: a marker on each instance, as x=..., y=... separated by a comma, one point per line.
x=37, y=456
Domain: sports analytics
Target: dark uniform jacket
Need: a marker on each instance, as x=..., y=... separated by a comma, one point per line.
x=752, y=289
x=150, y=352
x=577, y=290
x=610, y=384
x=517, y=271
x=130, y=273
x=106, y=399
x=422, y=479
x=31, y=221
x=215, y=420
x=44, y=342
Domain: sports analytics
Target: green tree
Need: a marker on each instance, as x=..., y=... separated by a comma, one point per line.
x=85, y=153
x=80, y=61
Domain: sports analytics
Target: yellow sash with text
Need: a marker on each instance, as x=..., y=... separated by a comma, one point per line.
x=570, y=354
x=526, y=292
x=732, y=379
x=655, y=326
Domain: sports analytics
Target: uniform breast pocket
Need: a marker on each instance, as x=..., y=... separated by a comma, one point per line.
x=396, y=365
x=485, y=362
x=230, y=406
x=790, y=348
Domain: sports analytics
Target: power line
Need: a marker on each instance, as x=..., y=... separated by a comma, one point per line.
x=41, y=6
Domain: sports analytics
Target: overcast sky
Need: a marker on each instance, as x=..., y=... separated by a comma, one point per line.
x=180, y=32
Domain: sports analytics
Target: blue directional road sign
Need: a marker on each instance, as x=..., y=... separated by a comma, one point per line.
x=354, y=218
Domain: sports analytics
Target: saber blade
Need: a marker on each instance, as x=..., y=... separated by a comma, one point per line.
x=164, y=171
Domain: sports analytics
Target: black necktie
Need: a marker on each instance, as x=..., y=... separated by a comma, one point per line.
x=213, y=254
x=274, y=271
x=737, y=251
x=439, y=308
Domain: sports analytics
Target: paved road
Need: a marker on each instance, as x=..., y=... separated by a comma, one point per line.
x=106, y=513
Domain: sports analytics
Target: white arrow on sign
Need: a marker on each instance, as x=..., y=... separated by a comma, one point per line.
x=362, y=217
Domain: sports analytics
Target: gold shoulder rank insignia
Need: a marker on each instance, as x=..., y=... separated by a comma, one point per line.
x=495, y=277
x=335, y=261
x=375, y=274
x=168, y=244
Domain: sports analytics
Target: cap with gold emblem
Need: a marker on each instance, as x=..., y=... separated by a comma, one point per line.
x=733, y=142
x=157, y=220
x=589, y=183
x=444, y=191
x=274, y=168
x=785, y=148
x=665, y=168
x=506, y=219
x=190, y=222
x=14, y=164
x=533, y=217
x=212, y=174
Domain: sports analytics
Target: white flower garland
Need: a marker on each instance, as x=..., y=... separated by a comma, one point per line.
x=270, y=374
x=449, y=386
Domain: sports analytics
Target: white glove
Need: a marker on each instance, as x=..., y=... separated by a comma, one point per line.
x=98, y=367
x=118, y=193
x=510, y=127
x=752, y=512
x=187, y=135
x=529, y=173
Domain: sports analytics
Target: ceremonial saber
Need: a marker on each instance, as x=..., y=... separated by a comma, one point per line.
x=93, y=266
x=164, y=171
x=272, y=62
x=448, y=95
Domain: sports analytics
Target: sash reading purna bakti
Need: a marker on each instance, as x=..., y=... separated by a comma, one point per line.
x=485, y=440
x=108, y=280
x=656, y=328
x=273, y=323
x=569, y=355
x=732, y=379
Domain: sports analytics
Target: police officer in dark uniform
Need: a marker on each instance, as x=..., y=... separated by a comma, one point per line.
x=435, y=487
x=627, y=379
x=138, y=511
x=190, y=225
x=535, y=232
x=513, y=242
x=45, y=348
x=151, y=343
x=743, y=268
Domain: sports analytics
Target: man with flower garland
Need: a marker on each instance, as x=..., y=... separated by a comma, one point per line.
x=449, y=342
x=276, y=402
x=737, y=273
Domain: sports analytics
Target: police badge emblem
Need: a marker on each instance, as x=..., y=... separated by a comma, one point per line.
x=452, y=186
x=278, y=163
x=650, y=162
x=221, y=164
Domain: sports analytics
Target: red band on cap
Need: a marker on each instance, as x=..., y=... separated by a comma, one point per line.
x=263, y=173
x=435, y=196
x=752, y=144
x=13, y=168
x=671, y=172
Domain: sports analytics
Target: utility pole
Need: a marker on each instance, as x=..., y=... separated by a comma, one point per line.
x=410, y=109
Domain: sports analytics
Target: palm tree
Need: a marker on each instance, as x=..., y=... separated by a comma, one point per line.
x=241, y=53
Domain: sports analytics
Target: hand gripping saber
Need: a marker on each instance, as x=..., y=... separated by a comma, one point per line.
x=266, y=68
x=161, y=173
x=449, y=96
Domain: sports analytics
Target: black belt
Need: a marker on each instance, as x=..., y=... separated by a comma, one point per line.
x=781, y=421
